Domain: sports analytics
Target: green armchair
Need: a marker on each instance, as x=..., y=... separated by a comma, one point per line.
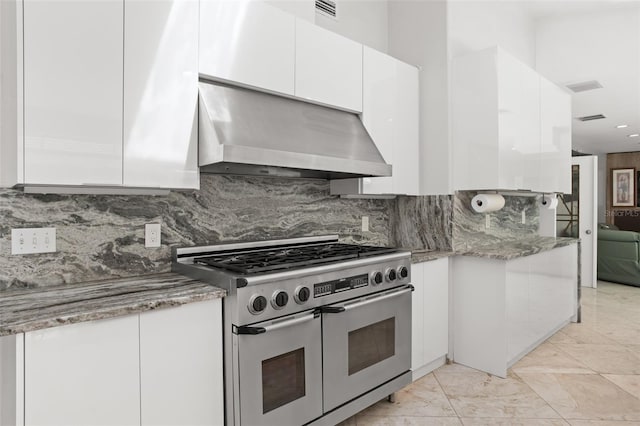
x=619, y=256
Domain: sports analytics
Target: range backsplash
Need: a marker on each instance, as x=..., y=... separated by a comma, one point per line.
x=101, y=237
x=469, y=229
x=422, y=223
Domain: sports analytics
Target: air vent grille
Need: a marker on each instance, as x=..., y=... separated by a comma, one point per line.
x=584, y=86
x=591, y=117
x=327, y=7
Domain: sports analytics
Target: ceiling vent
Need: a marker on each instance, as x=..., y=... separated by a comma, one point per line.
x=327, y=8
x=591, y=117
x=583, y=86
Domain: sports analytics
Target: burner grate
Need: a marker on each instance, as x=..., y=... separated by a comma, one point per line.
x=273, y=260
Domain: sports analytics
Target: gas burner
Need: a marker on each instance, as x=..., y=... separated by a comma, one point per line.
x=248, y=262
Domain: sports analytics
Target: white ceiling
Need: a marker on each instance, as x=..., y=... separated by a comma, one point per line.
x=580, y=41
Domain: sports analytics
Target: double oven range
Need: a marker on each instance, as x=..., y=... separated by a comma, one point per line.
x=314, y=330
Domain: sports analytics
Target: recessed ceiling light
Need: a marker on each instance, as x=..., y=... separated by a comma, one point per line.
x=622, y=126
x=633, y=135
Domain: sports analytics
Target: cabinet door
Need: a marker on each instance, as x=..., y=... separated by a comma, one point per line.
x=161, y=93
x=555, y=132
x=328, y=67
x=73, y=92
x=436, y=309
x=406, y=125
x=518, y=116
x=248, y=42
x=378, y=113
x=83, y=374
x=181, y=365
x=417, y=316
x=474, y=126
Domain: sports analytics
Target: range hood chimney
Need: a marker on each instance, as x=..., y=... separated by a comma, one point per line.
x=246, y=132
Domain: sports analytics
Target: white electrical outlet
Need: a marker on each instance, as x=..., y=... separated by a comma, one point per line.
x=365, y=223
x=33, y=240
x=487, y=221
x=152, y=234
x=524, y=217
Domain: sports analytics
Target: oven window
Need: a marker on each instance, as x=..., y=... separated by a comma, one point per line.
x=282, y=379
x=371, y=344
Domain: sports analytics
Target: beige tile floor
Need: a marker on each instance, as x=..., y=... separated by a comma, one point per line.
x=585, y=375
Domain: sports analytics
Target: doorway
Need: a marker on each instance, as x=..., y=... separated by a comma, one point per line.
x=577, y=215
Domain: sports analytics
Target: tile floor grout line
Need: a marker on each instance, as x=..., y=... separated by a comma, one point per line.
x=536, y=393
x=618, y=386
x=445, y=392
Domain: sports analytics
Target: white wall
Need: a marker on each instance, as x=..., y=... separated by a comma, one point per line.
x=364, y=21
x=476, y=25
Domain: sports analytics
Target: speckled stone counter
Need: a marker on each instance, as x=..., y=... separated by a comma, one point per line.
x=37, y=308
x=419, y=256
x=513, y=249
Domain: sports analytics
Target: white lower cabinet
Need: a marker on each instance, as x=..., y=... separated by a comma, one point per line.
x=181, y=365
x=160, y=367
x=430, y=316
x=83, y=374
x=503, y=309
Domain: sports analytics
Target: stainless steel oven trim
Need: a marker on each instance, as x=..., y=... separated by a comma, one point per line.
x=375, y=299
x=338, y=385
x=253, y=349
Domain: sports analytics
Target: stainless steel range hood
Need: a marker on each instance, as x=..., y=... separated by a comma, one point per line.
x=247, y=132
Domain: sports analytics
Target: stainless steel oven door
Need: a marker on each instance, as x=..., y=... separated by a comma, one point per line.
x=366, y=342
x=280, y=371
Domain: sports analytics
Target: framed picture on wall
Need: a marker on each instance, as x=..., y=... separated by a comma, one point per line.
x=624, y=187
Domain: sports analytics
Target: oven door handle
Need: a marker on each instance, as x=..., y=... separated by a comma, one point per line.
x=375, y=299
x=247, y=329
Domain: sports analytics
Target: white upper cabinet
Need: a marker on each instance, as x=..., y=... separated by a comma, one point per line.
x=248, y=42
x=406, y=127
x=378, y=112
x=502, y=115
x=328, y=67
x=390, y=114
x=161, y=93
x=110, y=94
x=555, y=132
x=73, y=92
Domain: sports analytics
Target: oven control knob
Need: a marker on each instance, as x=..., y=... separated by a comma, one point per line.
x=403, y=272
x=390, y=274
x=257, y=304
x=376, y=278
x=279, y=299
x=302, y=295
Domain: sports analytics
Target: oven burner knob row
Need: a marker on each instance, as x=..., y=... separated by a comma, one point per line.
x=301, y=295
x=403, y=272
x=390, y=274
x=279, y=299
x=376, y=278
x=257, y=304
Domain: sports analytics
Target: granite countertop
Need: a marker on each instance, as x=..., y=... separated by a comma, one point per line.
x=32, y=309
x=419, y=256
x=513, y=249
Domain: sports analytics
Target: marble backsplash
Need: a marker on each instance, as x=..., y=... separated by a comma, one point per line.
x=422, y=223
x=100, y=237
x=469, y=229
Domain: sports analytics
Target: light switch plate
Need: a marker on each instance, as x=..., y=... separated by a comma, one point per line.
x=152, y=235
x=33, y=240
